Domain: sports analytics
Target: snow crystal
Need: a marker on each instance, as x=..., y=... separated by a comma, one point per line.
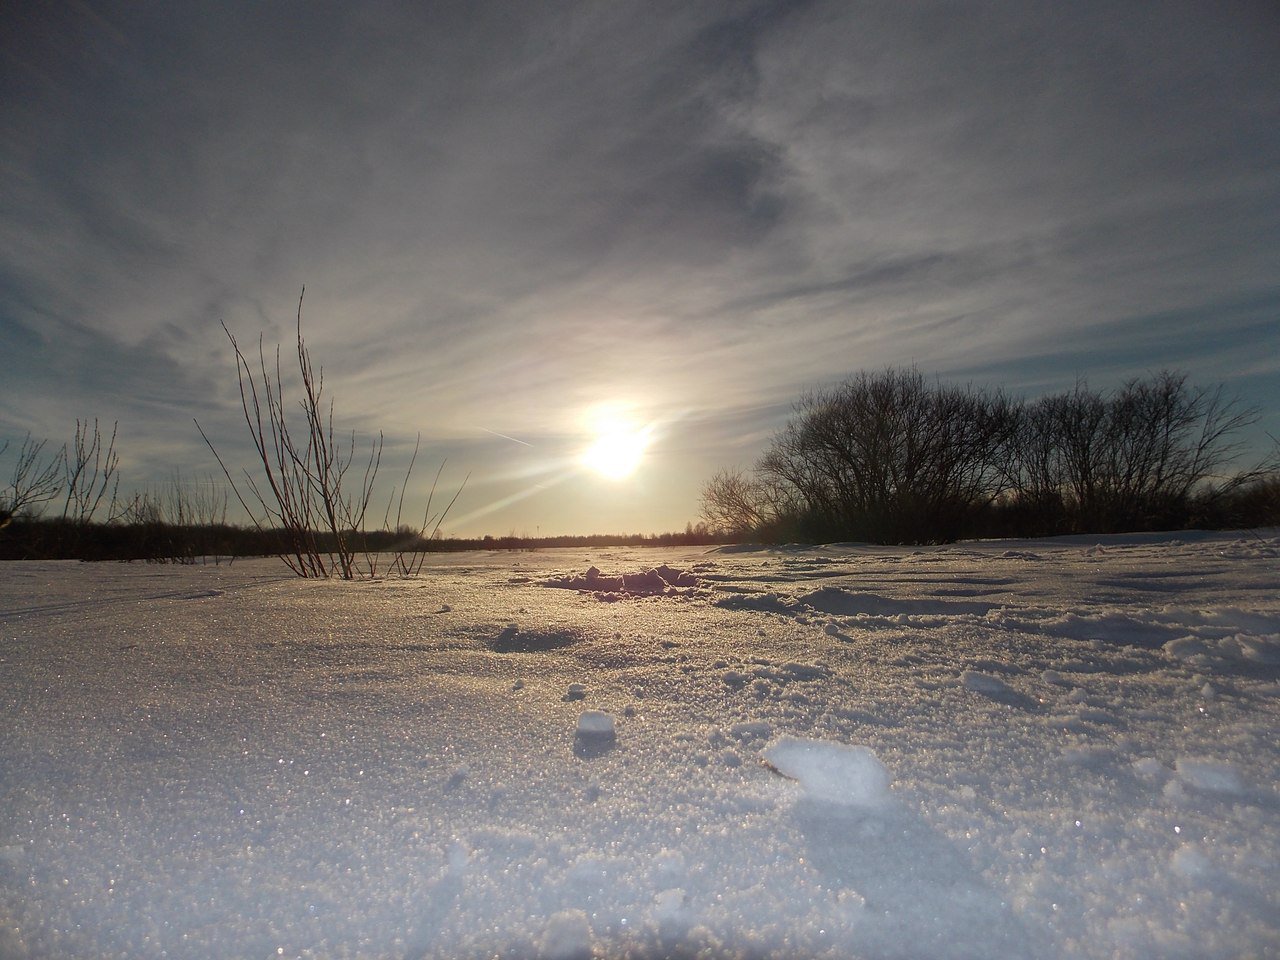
x=832, y=772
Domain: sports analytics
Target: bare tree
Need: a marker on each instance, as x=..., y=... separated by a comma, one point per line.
x=890, y=457
x=735, y=503
x=1138, y=458
x=34, y=480
x=89, y=472
x=178, y=521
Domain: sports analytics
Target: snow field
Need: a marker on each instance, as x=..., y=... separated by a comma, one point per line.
x=1040, y=749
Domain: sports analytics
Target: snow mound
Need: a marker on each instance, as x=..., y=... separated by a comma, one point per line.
x=994, y=688
x=758, y=603
x=657, y=581
x=1241, y=649
x=511, y=639
x=834, y=600
x=849, y=775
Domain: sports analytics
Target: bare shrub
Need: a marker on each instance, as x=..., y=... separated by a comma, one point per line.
x=409, y=545
x=306, y=487
x=178, y=522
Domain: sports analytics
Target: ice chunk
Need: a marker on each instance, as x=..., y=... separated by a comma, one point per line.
x=832, y=772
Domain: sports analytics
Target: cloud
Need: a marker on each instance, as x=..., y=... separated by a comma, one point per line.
x=504, y=213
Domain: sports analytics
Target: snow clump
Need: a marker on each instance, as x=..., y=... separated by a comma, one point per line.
x=595, y=723
x=848, y=775
x=1209, y=776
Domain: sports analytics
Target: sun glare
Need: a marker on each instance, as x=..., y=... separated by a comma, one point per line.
x=617, y=450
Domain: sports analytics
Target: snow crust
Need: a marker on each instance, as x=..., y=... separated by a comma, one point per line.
x=1042, y=749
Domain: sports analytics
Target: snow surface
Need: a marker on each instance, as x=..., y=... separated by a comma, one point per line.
x=1061, y=748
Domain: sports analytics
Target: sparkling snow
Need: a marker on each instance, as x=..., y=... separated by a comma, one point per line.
x=1059, y=748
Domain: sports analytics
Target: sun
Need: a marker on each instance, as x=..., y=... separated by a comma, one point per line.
x=618, y=448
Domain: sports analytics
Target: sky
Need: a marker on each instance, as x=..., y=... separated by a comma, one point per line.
x=515, y=221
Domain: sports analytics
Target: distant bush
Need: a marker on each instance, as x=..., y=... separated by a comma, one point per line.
x=893, y=458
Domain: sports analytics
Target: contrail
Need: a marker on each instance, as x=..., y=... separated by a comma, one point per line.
x=505, y=437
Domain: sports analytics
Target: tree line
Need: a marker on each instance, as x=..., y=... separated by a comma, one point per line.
x=892, y=457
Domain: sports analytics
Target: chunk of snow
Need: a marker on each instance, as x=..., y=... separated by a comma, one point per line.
x=457, y=859
x=1210, y=776
x=760, y=602
x=995, y=689
x=576, y=691
x=850, y=775
x=1239, y=648
x=985, y=684
x=1263, y=650
x=595, y=723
